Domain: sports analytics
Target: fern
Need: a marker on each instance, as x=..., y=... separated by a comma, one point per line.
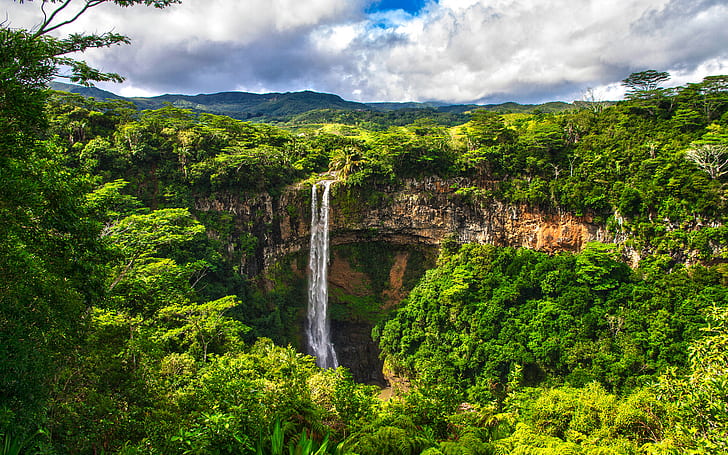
x=11, y=445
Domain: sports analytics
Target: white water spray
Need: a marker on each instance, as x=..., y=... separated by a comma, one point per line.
x=318, y=327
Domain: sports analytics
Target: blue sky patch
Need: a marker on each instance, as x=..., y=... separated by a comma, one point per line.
x=410, y=6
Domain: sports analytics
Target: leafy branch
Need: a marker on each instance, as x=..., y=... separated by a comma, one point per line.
x=57, y=48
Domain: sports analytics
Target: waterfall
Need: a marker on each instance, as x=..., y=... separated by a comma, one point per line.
x=318, y=327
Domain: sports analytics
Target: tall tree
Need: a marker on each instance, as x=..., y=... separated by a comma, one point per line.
x=645, y=92
x=51, y=255
x=709, y=96
x=644, y=83
x=712, y=158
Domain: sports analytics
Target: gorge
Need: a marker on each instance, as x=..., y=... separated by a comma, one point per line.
x=382, y=241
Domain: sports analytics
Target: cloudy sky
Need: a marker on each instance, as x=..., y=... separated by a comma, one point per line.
x=485, y=51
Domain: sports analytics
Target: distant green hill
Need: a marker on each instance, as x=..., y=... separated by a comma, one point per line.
x=311, y=107
x=509, y=108
x=253, y=106
x=90, y=92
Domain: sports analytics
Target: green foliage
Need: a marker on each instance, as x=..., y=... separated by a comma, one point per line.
x=410, y=154
x=125, y=324
x=10, y=445
x=199, y=327
x=701, y=396
x=644, y=82
x=389, y=439
x=599, y=267
x=487, y=313
x=299, y=445
x=237, y=168
x=51, y=259
x=142, y=271
x=377, y=121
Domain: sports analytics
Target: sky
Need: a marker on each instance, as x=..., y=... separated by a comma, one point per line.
x=452, y=51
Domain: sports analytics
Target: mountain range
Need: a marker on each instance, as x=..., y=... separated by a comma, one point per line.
x=286, y=107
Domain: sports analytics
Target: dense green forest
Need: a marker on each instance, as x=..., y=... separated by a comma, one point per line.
x=127, y=325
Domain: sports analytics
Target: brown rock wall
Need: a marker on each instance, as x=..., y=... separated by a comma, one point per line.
x=421, y=211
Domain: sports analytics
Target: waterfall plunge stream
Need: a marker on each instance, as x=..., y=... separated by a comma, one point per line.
x=318, y=327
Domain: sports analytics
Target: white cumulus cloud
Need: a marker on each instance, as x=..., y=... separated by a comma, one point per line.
x=452, y=50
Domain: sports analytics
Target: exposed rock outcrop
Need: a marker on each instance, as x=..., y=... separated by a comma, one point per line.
x=429, y=210
x=416, y=216
x=423, y=211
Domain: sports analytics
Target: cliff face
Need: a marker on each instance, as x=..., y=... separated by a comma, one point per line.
x=382, y=242
x=429, y=210
x=418, y=212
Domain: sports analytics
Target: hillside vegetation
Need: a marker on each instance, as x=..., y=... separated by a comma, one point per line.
x=306, y=107
x=126, y=327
